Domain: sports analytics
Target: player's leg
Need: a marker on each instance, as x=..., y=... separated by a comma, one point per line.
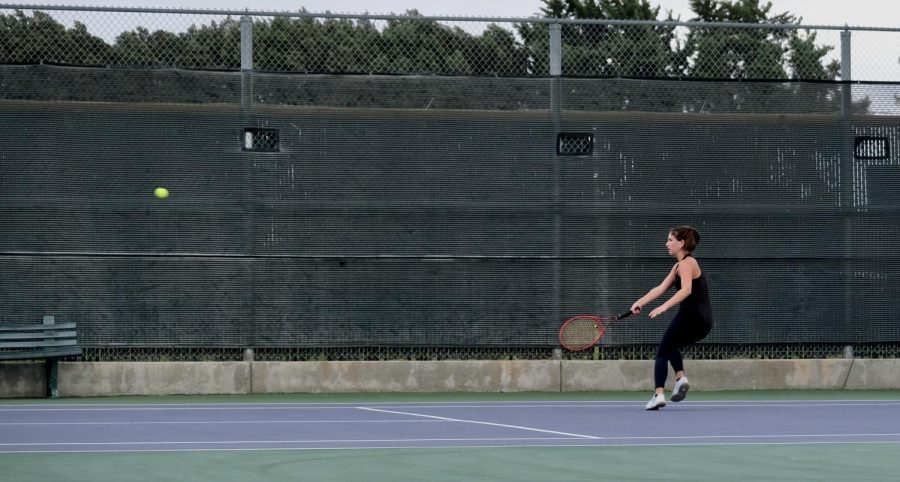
x=692, y=333
x=666, y=353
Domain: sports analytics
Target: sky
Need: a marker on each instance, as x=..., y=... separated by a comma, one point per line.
x=874, y=13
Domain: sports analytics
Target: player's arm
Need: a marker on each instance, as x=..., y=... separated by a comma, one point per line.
x=685, y=271
x=657, y=291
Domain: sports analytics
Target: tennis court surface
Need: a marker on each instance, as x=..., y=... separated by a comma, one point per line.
x=736, y=436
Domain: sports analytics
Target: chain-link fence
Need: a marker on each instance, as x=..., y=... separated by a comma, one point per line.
x=390, y=44
x=316, y=213
x=381, y=353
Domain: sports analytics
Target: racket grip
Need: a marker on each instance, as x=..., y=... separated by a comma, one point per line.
x=624, y=315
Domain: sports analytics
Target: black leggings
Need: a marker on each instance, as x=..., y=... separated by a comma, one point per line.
x=685, y=328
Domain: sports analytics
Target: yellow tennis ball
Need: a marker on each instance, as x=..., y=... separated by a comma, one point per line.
x=161, y=192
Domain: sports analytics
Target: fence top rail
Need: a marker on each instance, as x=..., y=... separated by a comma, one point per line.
x=564, y=21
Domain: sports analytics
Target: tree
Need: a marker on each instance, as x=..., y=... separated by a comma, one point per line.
x=213, y=46
x=706, y=52
x=416, y=46
x=738, y=53
x=403, y=46
x=141, y=47
x=805, y=61
x=39, y=38
x=497, y=52
x=604, y=50
x=753, y=53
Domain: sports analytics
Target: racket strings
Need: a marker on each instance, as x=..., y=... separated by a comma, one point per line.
x=580, y=333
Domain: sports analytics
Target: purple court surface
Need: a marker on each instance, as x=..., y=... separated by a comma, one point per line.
x=266, y=426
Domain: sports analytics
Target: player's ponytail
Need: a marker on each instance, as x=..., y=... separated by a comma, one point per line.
x=689, y=235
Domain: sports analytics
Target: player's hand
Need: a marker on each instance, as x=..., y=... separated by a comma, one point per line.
x=636, y=309
x=657, y=311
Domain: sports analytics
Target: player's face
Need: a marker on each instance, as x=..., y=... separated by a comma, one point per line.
x=673, y=245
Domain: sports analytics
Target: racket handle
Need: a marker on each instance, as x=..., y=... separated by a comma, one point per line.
x=624, y=315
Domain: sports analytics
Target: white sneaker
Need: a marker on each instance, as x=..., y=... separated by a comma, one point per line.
x=681, y=389
x=655, y=403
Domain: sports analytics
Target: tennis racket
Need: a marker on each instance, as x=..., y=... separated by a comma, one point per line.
x=584, y=331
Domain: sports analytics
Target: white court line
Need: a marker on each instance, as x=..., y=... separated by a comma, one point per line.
x=101, y=408
x=499, y=404
x=129, y=407
x=785, y=436
x=234, y=442
x=217, y=422
x=314, y=405
x=492, y=424
x=626, y=403
x=549, y=404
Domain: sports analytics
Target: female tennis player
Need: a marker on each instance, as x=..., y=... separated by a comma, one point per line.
x=692, y=322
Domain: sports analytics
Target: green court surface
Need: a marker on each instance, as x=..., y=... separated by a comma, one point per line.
x=699, y=462
x=842, y=462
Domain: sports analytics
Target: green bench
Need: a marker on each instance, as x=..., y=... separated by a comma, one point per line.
x=47, y=341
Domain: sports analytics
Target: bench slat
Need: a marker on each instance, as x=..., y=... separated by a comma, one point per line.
x=31, y=336
x=35, y=354
x=69, y=325
x=37, y=343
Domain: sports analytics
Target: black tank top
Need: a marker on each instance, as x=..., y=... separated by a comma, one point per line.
x=697, y=303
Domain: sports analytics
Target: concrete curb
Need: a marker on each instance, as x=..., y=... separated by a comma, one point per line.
x=716, y=375
x=91, y=379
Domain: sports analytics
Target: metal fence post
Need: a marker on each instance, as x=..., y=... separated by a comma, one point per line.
x=845, y=55
x=51, y=365
x=555, y=68
x=555, y=49
x=246, y=115
x=846, y=130
x=246, y=65
x=847, y=191
x=555, y=109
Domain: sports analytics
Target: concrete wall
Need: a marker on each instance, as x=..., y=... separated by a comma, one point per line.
x=406, y=376
x=90, y=379
x=874, y=374
x=83, y=379
x=22, y=380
